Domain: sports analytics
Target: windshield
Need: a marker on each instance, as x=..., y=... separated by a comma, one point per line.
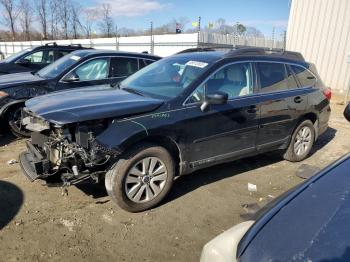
x=15, y=56
x=58, y=67
x=166, y=78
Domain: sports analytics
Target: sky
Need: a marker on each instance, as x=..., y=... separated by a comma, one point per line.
x=137, y=14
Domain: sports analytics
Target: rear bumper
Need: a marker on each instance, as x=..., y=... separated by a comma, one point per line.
x=33, y=164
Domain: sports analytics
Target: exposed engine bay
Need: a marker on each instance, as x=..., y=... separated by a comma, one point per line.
x=67, y=154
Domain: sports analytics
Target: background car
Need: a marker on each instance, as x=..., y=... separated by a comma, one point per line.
x=308, y=223
x=178, y=115
x=36, y=58
x=81, y=68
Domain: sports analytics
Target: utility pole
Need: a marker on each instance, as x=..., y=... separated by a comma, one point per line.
x=236, y=34
x=273, y=37
x=116, y=38
x=152, y=39
x=199, y=31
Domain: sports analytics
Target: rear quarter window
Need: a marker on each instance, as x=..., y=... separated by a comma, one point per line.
x=304, y=76
x=273, y=77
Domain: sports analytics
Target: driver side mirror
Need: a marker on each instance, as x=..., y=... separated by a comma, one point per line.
x=218, y=98
x=71, y=78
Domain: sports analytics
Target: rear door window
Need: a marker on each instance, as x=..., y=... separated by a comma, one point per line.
x=40, y=57
x=273, y=77
x=304, y=76
x=123, y=66
x=144, y=62
x=62, y=53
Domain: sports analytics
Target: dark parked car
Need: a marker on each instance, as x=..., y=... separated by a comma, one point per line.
x=308, y=223
x=79, y=69
x=36, y=58
x=178, y=115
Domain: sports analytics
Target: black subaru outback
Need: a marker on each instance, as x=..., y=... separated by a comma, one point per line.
x=36, y=58
x=175, y=116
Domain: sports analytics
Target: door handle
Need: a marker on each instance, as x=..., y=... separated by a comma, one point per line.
x=252, y=109
x=298, y=99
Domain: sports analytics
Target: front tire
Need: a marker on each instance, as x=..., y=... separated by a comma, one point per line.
x=303, y=139
x=142, y=178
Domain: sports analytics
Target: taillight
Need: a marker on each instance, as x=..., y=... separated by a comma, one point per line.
x=327, y=93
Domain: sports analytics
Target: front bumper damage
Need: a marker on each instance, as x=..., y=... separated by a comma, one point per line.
x=32, y=163
x=63, y=163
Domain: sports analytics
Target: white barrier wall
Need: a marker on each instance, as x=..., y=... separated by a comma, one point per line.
x=164, y=45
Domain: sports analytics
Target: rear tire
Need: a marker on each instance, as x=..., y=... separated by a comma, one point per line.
x=14, y=121
x=301, y=143
x=142, y=178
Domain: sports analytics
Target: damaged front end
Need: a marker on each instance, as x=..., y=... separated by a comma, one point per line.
x=65, y=155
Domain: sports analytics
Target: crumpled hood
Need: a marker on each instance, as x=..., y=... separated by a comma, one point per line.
x=11, y=80
x=83, y=104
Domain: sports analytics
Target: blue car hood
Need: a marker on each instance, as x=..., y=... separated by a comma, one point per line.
x=16, y=79
x=85, y=104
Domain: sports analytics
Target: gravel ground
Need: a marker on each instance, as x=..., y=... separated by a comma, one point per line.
x=40, y=224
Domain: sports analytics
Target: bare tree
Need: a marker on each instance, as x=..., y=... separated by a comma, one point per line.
x=75, y=19
x=54, y=18
x=26, y=18
x=64, y=16
x=11, y=12
x=43, y=15
x=90, y=16
x=107, y=23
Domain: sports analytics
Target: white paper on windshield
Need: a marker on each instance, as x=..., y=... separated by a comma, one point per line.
x=197, y=64
x=75, y=57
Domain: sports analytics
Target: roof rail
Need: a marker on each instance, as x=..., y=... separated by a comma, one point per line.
x=196, y=49
x=246, y=51
x=78, y=45
x=53, y=44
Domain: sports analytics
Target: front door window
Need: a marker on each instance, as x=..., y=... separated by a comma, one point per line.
x=93, y=70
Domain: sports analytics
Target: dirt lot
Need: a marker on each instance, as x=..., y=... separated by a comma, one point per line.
x=39, y=224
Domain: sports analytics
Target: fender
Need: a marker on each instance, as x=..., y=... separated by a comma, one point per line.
x=5, y=107
x=119, y=135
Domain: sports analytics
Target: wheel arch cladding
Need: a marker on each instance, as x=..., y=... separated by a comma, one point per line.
x=5, y=108
x=310, y=116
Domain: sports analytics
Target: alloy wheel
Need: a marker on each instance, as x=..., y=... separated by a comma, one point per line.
x=302, y=141
x=146, y=180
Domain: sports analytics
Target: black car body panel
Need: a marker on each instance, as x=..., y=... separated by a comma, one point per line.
x=7, y=81
x=47, y=53
x=21, y=87
x=308, y=224
x=243, y=126
x=92, y=103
